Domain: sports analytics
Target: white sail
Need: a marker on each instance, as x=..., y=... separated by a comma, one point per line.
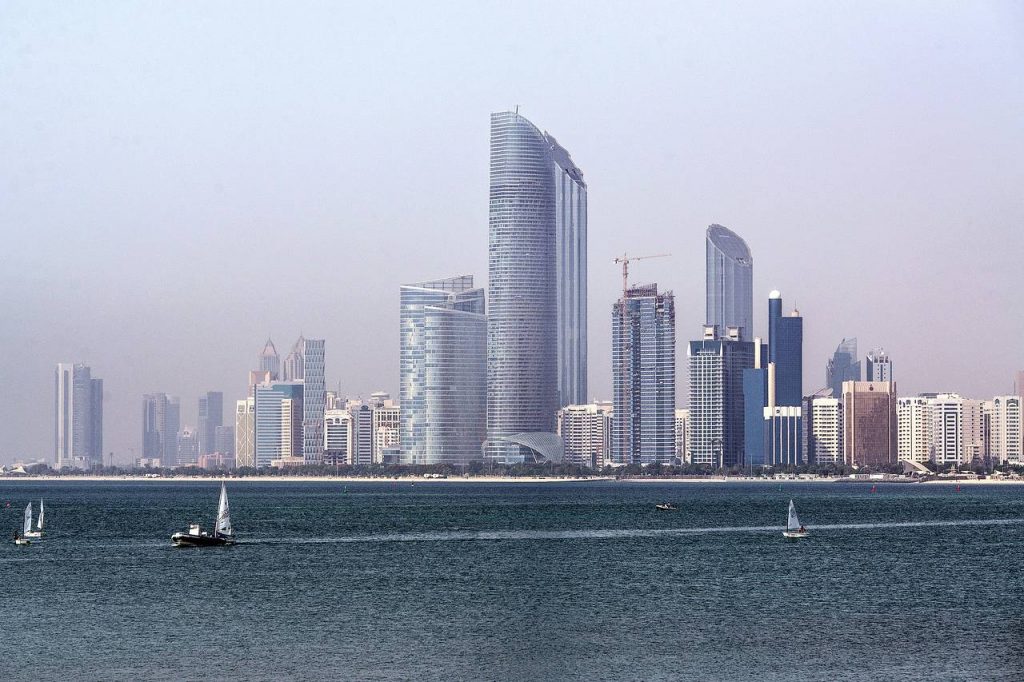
x=794, y=522
x=28, y=518
x=223, y=513
x=39, y=524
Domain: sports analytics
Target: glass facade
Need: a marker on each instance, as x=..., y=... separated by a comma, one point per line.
x=786, y=350
x=571, y=274
x=644, y=376
x=870, y=429
x=78, y=416
x=278, y=421
x=443, y=372
x=730, y=282
x=843, y=366
x=314, y=398
x=716, y=421
x=161, y=421
x=522, y=325
x=211, y=416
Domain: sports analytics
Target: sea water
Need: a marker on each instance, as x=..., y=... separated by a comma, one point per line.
x=516, y=581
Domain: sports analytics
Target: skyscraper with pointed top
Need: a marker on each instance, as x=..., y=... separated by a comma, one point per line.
x=293, y=362
x=536, y=326
x=270, y=361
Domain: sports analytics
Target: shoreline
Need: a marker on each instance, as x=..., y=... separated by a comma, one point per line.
x=488, y=479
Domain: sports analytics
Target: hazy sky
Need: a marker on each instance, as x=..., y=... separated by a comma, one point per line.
x=180, y=180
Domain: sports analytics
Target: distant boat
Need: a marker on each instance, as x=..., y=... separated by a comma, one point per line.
x=19, y=538
x=222, y=532
x=794, y=529
x=38, y=532
x=666, y=506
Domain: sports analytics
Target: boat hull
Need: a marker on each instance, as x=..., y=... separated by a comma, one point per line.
x=22, y=542
x=189, y=540
x=34, y=534
x=794, y=534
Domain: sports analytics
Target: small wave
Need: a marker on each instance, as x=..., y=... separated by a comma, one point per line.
x=608, y=534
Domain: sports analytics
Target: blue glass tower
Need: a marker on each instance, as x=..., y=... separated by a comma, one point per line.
x=785, y=349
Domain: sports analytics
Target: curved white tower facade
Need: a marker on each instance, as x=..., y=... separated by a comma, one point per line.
x=536, y=350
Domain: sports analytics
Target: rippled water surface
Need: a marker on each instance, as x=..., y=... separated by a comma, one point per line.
x=381, y=581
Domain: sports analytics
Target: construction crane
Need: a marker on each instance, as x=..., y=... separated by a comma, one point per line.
x=625, y=260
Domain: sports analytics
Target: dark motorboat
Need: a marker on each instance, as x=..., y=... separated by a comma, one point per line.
x=222, y=534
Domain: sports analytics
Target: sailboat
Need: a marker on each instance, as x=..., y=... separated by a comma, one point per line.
x=21, y=539
x=222, y=531
x=794, y=529
x=38, y=532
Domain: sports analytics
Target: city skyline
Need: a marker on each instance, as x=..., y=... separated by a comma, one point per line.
x=857, y=163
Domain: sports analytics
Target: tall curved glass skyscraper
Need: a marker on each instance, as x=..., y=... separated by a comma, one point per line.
x=536, y=325
x=730, y=282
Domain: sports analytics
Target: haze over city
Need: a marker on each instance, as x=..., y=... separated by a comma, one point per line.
x=178, y=188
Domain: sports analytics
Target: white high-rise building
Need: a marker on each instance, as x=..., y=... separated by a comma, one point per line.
x=586, y=432
x=245, y=433
x=337, y=437
x=827, y=430
x=387, y=418
x=914, y=438
x=1006, y=430
x=958, y=433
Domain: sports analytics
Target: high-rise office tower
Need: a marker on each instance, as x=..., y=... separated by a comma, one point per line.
x=245, y=433
x=314, y=398
x=362, y=434
x=730, y=282
x=211, y=416
x=443, y=372
x=716, y=421
x=586, y=432
x=786, y=352
x=571, y=274
x=773, y=393
x=842, y=367
x=879, y=366
x=535, y=194
x=869, y=423
x=644, y=376
x=270, y=361
x=188, y=447
x=277, y=422
x=78, y=417
x=224, y=440
x=96, y=421
x=161, y=421
x=294, y=368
